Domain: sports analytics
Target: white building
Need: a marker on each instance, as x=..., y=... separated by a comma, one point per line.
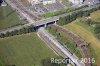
x=45, y=2
x=34, y=1
x=76, y=2
x=42, y=1
x=93, y=1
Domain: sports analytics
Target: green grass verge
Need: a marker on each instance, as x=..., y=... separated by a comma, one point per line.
x=8, y=17
x=24, y=50
x=0, y=64
x=59, y=12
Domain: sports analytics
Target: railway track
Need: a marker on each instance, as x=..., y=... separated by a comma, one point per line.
x=78, y=40
x=56, y=46
x=21, y=9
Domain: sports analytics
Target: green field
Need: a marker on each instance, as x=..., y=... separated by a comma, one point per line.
x=24, y=50
x=8, y=17
x=0, y=64
x=96, y=16
x=85, y=32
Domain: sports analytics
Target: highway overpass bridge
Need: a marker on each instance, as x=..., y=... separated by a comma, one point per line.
x=52, y=20
x=45, y=22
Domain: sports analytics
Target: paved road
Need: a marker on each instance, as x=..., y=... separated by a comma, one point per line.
x=42, y=32
x=79, y=41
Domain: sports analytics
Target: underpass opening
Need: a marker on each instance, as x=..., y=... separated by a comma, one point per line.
x=37, y=27
x=50, y=23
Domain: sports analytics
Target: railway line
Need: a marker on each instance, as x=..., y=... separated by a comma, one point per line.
x=15, y=4
x=79, y=41
x=56, y=46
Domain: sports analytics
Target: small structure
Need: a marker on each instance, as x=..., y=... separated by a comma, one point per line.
x=45, y=2
x=34, y=1
x=76, y=2
x=94, y=1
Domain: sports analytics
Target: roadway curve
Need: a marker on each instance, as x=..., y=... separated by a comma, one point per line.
x=79, y=41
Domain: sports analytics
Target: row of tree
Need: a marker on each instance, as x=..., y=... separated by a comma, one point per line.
x=77, y=14
x=23, y=30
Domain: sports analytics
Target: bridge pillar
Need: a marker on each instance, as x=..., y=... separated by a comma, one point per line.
x=45, y=25
x=55, y=23
x=3, y=3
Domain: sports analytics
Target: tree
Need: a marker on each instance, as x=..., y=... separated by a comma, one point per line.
x=67, y=19
x=89, y=22
x=97, y=29
x=86, y=13
x=2, y=35
x=79, y=13
x=98, y=7
x=62, y=21
x=7, y=34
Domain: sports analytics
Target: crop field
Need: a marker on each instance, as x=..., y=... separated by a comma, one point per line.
x=85, y=32
x=24, y=50
x=96, y=16
x=8, y=17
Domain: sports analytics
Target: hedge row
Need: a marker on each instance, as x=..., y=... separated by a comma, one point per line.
x=76, y=14
x=23, y=30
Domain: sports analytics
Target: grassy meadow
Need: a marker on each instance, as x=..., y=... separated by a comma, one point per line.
x=24, y=50
x=8, y=17
x=96, y=16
